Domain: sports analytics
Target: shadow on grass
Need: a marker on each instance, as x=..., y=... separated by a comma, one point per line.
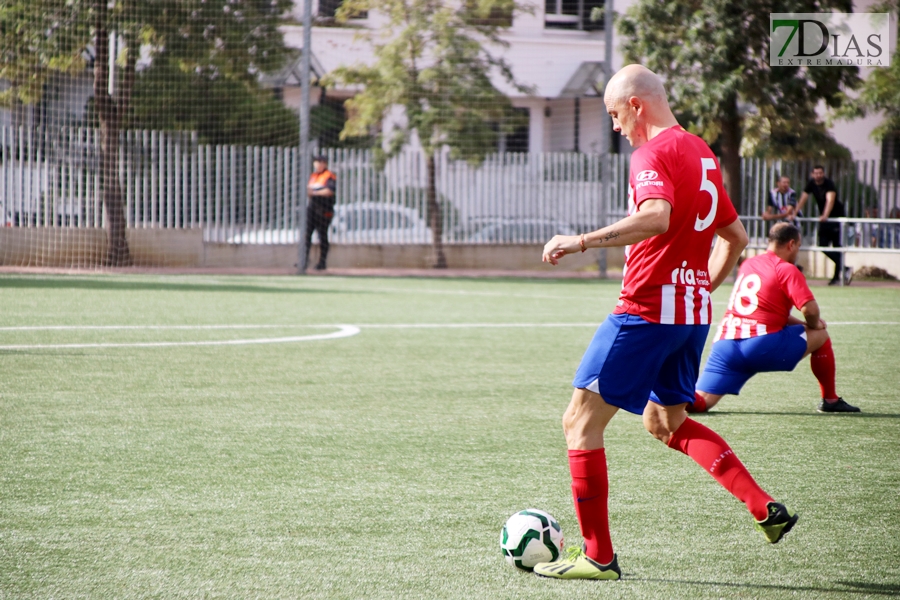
x=840, y=587
x=129, y=285
x=859, y=415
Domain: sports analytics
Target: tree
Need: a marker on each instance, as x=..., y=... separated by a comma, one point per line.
x=880, y=92
x=111, y=107
x=714, y=56
x=804, y=140
x=432, y=58
x=205, y=60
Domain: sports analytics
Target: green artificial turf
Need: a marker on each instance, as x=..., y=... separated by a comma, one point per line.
x=383, y=465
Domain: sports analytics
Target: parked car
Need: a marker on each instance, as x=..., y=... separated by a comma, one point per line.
x=378, y=223
x=519, y=231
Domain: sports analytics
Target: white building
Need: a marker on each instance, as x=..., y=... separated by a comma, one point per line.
x=560, y=54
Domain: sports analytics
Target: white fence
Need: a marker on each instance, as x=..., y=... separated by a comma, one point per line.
x=240, y=194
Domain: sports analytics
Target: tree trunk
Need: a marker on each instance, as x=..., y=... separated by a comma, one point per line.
x=435, y=218
x=731, y=153
x=109, y=115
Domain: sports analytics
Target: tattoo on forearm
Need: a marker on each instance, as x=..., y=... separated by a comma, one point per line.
x=610, y=236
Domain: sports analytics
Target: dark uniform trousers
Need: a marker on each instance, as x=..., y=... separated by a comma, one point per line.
x=319, y=213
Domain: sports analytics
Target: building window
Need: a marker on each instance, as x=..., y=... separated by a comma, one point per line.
x=328, y=9
x=890, y=156
x=572, y=14
x=517, y=139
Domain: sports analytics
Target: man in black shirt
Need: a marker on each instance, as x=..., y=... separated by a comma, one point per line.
x=825, y=193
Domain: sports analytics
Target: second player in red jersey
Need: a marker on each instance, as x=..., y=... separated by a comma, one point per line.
x=758, y=333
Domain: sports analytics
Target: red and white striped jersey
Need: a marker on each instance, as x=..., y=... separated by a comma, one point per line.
x=765, y=291
x=666, y=277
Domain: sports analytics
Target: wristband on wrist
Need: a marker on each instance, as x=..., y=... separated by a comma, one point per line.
x=581, y=243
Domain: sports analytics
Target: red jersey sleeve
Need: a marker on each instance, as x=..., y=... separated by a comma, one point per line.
x=650, y=178
x=794, y=284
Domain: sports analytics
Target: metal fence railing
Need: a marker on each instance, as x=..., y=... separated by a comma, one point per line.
x=856, y=235
x=252, y=194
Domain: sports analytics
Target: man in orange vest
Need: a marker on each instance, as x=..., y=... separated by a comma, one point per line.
x=320, y=210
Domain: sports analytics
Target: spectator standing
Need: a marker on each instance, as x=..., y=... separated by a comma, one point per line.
x=320, y=209
x=825, y=193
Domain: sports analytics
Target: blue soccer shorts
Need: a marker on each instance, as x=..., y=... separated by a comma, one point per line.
x=630, y=357
x=732, y=362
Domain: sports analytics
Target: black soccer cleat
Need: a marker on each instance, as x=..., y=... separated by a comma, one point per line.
x=778, y=523
x=837, y=407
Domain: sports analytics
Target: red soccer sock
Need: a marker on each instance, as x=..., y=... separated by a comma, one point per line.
x=711, y=452
x=590, y=489
x=822, y=364
x=699, y=405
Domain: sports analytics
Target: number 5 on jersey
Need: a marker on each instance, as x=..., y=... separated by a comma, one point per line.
x=708, y=164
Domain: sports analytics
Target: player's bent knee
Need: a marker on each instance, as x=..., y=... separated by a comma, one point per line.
x=816, y=339
x=661, y=422
x=657, y=429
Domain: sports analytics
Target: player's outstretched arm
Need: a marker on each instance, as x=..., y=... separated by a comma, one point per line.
x=732, y=241
x=651, y=218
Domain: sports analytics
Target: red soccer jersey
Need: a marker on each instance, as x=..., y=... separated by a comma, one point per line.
x=666, y=277
x=764, y=293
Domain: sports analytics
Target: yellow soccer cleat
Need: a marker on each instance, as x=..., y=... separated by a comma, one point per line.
x=577, y=565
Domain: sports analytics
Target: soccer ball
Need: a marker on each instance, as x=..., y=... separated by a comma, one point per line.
x=530, y=537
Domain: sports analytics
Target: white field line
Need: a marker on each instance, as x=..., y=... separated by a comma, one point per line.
x=830, y=323
x=470, y=325
x=342, y=332
x=148, y=327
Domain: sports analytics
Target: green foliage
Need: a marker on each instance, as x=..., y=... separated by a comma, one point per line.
x=433, y=60
x=205, y=60
x=801, y=140
x=714, y=57
x=38, y=38
x=326, y=121
x=880, y=92
x=221, y=110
